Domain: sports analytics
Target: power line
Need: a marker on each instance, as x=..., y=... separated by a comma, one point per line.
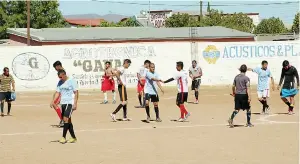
x=216, y=5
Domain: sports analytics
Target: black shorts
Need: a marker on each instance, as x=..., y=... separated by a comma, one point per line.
x=5, y=96
x=241, y=102
x=154, y=98
x=122, y=92
x=182, y=97
x=68, y=110
x=196, y=84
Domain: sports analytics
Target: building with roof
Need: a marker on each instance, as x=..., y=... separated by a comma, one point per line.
x=92, y=20
x=59, y=36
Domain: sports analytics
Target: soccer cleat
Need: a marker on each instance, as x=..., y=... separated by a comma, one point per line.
x=230, y=122
x=187, y=116
x=104, y=102
x=61, y=124
x=2, y=114
x=249, y=125
x=196, y=102
x=72, y=140
x=180, y=120
x=148, y=119
x=114, y=102
x=267, y=110
x=63, y=140
x=126, y=119
x=113, y=117
x=158, y=120
x=8, y=114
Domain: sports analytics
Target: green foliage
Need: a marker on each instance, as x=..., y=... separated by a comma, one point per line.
x=44, y=14
x=270, y=26
x=130, y=22
x=295, y=27
x=238, y=21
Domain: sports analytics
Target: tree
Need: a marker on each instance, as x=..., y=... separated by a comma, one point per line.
x=295, y=27
x=270, y=26
x=208, y=7
x=44, y=14
x=178, y=20
x=238, y=21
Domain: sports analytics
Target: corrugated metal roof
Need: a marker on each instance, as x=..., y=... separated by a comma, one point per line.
x=277, y=37
x=127, y=33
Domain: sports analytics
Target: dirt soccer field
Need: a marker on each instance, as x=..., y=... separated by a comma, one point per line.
x=29, y=137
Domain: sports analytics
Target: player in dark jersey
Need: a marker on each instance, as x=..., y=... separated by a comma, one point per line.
x=289, y=90
x=242, y=96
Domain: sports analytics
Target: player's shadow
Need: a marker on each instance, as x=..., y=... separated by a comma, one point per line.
x=7, y=116
x=238, y=126
x=282, y=113
x=145, y=121
x=256, y=113
x=56, y=126
x=54, y=141
x=178, y=121
x=190, y=102
x=123, y=120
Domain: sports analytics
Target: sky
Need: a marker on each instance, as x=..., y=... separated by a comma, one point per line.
x=266, y=9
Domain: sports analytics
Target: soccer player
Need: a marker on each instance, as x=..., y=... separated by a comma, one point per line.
x=121, y=75
x=263, y=87
x=242, y=96
x=58, y=66
x=288, y=74
x=68, y=93
x=152, y=82
x=195, y=73
x=7, y=86
x=141, y=82
x=182, y=85
x=108, y=83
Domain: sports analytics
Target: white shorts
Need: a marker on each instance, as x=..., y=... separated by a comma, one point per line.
x=263, y=93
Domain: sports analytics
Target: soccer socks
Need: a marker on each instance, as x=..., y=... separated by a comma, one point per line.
x=196, y=94
x=8, y=107
x=288, y=103
x=118, y=109
x=71, y=130
x=114, y=95
x=124, y=111
x=65, y=129
x=182, y=110
x=248, y=116
x=59, y=113
x=234, y=113
x=156, y=112
x=2, y=106
x=105, y=96
x=147, y=110
x=140, y=99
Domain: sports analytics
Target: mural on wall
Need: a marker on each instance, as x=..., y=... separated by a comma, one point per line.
x=158, y=19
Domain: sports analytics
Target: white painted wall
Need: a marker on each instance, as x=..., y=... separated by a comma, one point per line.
x=255, y=18
x=33, y=71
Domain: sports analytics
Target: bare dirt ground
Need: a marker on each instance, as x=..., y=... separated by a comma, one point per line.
x=28, y=137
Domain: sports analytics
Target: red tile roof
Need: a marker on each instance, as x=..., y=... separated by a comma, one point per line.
x=85, y=22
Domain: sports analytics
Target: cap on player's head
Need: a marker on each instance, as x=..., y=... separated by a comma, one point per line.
x=57, y=63
x=147, y=62
x=179, y=64
x=243, y=68
x=108, y=62
x=285, y=63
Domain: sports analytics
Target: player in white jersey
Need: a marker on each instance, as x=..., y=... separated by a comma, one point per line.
x=195, y=73
x=121, y=75
x=141, y=74
x=182, y=85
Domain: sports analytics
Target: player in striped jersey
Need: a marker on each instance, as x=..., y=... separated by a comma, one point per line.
x=182, y=85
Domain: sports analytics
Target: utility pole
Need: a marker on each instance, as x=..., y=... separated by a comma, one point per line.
x=28, y=22
x=200, y=14
x=149, y=6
